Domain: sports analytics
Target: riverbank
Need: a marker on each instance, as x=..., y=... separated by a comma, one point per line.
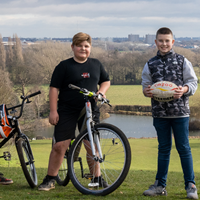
x=130, y=110
x=141, y=110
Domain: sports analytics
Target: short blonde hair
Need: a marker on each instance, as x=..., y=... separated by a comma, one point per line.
x=81, y=37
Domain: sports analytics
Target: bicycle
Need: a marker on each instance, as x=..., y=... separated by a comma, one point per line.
x=21, y=140
x=94, y=152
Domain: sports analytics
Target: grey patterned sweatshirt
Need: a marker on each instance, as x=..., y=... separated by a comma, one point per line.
x=177, y=69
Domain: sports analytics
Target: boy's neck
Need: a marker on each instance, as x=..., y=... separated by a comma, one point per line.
x=163, y=54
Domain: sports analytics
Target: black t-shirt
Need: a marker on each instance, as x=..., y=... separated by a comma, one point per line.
x=85, y=75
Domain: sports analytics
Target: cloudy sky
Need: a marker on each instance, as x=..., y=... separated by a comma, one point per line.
x=99, y=18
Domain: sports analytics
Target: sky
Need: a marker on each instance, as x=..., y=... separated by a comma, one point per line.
x=99, y=18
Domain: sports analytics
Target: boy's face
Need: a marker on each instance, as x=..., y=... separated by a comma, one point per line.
x=164, y=43
x=81, y=51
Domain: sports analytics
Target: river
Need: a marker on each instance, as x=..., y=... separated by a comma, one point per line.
x=131, y=125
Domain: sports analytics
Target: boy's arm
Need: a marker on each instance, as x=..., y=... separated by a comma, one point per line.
x=103, y=88
x=189, y=81
x=189, y=78
x=146, y=81
x=53, y=98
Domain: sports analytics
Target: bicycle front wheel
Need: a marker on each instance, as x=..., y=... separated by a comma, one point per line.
x=63, y=176
x=27, y=162
x=84, y=170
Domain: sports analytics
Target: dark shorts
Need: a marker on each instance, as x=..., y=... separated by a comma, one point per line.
x=68, y=119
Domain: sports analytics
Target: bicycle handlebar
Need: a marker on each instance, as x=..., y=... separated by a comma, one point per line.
x=34, y=94
x=74, y=87
x=23, y=101
x=90, y=94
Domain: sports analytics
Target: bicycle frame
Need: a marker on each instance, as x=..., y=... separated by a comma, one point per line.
x=88, y=121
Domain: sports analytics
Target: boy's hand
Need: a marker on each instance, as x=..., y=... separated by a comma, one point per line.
x=147, y=92
x=103, y=95
x=53, y=118
x=180, y=91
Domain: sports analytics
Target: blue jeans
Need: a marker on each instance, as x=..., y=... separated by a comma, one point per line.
x=180, y=127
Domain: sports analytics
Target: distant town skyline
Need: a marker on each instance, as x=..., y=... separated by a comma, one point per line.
x=105, y=18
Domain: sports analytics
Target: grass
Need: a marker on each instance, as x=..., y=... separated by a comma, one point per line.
x=132, y=95
x=141, y=174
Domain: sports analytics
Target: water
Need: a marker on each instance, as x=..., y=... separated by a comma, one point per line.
x=131, y=125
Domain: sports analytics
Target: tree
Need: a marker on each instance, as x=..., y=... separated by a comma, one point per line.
x=21, y=73
x=9, y=55
x=7, y=94
x=46, y=55
x=2, y=55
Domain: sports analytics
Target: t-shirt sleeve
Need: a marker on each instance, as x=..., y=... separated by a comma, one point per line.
x=103, y=75
x=58, y=76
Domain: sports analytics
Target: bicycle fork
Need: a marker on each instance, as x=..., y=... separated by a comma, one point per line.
x=96, y=138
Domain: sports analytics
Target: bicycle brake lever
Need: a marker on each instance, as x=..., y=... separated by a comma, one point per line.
x=28, y=101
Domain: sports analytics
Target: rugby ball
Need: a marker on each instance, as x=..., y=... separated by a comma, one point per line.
x=163, y=91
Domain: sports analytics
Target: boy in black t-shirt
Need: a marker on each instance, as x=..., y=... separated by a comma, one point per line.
x=81, y=71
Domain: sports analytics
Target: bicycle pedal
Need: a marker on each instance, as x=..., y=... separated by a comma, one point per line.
x=7, y=155
x=88, y=176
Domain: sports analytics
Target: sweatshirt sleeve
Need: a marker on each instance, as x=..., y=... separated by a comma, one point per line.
x=146, y=77
x=189, y=77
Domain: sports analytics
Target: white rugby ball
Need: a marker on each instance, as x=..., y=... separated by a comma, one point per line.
x=163, y=91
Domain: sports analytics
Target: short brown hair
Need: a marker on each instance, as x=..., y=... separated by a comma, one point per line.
x=164, y=31
x=81, y=37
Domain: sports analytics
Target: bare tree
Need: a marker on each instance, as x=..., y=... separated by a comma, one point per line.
x=2, y=55
x=46, y=55
x=6, y=90
x=9, y=54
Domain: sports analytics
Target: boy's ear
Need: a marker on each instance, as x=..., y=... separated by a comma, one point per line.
x=173, y=42
x=156, y=42
x=72, y=46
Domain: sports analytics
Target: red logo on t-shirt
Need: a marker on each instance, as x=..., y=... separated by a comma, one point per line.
x=86, y=75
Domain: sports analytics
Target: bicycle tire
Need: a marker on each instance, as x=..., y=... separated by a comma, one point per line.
x=27, y=165
x=63, y=176
x=114, y=168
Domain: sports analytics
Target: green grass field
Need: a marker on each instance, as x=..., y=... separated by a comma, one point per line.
x=132, y=95
x=141, y=174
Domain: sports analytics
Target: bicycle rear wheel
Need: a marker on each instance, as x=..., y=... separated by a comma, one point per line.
x=114, y=168
x=63, y=175
x=27, y=162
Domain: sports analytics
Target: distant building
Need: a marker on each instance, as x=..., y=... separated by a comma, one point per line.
x=133, y=38
x=107, y=39
x=150, y=39
x=196, y=38
x=118, y=40
x=5, y=39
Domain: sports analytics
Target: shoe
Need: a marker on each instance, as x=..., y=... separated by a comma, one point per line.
x=192, y=191
x=98, y=182
x=5, y=181
x=47, y=184
x=155, y=190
